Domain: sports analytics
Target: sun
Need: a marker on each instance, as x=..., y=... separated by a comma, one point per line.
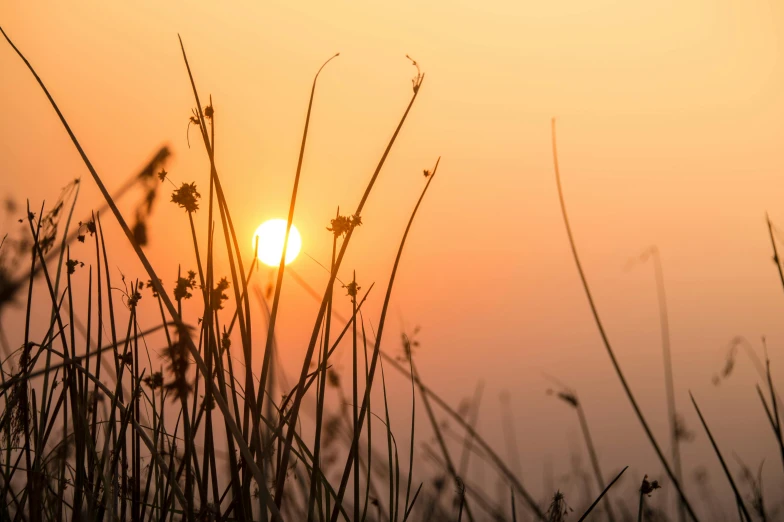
x=271, y=235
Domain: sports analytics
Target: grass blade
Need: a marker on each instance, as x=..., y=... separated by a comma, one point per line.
x=735, y=490
x=606, y=340
x=602, y=494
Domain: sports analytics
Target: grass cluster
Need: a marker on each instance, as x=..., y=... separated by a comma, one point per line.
x=93, y=427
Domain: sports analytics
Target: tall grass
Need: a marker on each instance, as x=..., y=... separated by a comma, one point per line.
x=111, y=420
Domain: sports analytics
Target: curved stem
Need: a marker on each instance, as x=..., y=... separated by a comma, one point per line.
x=606, y=340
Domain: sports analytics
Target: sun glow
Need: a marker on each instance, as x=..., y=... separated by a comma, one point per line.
x=271, y=235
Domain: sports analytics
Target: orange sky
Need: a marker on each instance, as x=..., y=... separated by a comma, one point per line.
x=669, y=120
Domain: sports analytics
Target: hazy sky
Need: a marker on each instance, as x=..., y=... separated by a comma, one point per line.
x=669, y=123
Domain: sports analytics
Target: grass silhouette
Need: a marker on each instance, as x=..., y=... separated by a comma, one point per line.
x=93, y=429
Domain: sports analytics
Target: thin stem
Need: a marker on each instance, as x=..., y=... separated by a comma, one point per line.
x=606, y=340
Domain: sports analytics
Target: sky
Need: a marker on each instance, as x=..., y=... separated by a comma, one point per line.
x=669, y=127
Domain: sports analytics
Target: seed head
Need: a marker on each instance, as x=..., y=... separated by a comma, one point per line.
x=187, y=197
x=154, y=381
x=648, y=487
x=72, y=264
x=218, y=295
x=183, y=285
x=352, y=288
x=179, y=363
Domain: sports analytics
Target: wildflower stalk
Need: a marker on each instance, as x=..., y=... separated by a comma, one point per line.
x=320, y=397
x=70, y=381
x=394, y=471
x=355, y=397
x=282, y=266
x=606, y=340
x=57, y=284
x=322, y=308
x=641, y=505
x=35, y=515
x=382, y=322
x=76, y=401
x=231, y=238
x=411, y=375
x=495, y=459
x=369, y=485
x=569, y=396
x=158, y=287
x=286, y=417
x=672, y=415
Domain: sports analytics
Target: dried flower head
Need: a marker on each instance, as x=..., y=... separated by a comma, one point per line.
x=154, y=381
x=152, y=287
x=125, y=358
x=567, y=396
x=352, y=288
x=187, y=197
x=218, y=294
x=648, y=487
x=72, y=264
x=416, y=81
x=341, y=225
x=184, y=285
x=133, y=298
x=179, y=363
x=558, y=509
x=162, y=175
x=89, y=226
x=409, y=343
x=50, y=221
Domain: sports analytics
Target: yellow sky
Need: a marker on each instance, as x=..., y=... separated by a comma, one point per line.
x=670, y=123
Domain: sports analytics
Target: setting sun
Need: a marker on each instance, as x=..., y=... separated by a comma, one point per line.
x=271, y=235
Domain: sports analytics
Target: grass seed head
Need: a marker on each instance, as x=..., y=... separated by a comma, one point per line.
x=647, y=488
x=187, y=197
x=184, y=285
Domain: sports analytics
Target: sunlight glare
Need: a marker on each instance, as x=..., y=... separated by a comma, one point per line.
x=271, y=235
